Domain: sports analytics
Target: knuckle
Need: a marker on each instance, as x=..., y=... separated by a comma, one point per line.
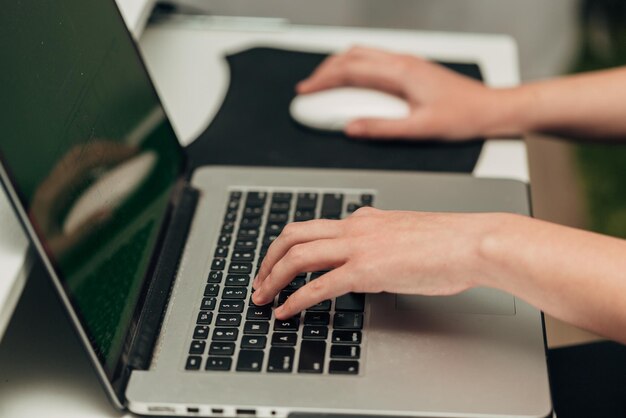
x=289, y=231
x=296, y=253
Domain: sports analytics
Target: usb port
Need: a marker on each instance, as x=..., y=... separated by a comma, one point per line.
x=246, y=412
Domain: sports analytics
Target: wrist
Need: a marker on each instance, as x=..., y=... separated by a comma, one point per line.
x=509, y=112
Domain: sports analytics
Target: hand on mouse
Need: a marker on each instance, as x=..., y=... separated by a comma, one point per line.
x=443, y=103
x=375, y=251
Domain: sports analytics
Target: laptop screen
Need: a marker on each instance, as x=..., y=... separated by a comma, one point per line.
x=89, y=151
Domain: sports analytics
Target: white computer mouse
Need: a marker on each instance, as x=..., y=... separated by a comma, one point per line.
x=333, y=109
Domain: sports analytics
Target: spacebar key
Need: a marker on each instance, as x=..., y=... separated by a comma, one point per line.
x=312, y=357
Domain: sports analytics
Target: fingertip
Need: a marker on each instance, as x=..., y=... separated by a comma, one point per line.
x=279, y=313
x=356, y=128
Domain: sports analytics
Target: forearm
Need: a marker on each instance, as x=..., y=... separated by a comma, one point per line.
x=589, y=105
x=576, y=276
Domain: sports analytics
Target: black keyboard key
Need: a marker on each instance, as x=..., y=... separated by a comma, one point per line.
x=268, y=239
x=228, y=320
x=256, y=342
x=255, y=199
x=323, y=306
x=201, y=332
x=227, y=228
x=288, y=339
x=351, y=302
x=225, y=334
x=215, y=277
x=314, y=333
x=291, y=324
x=274, y=229
x=193, y=363
x=218, y=264
x=250, y=361
x=332, y=205
x=238, y=293
x=295, y=284
x=231, y=215
x=218, y=364
x=224, y=240
x=204, y=318
x=281, y=360
x=316, y=318
x=240, y=268
x=208, y=304
x=243, y=256
x=222, y=349
x=343, y=367
x=282, y=197
x=367, y=199
x=232, y=204
x=352, y=207
x=221, y=252
x=277, y=218
x=345, y=351
x=232, y=306
x=237, y=280
x=235, y=195
x=256, y=327
x=211, y=290
x=255, y=212
x=267, y=305
x=250, y=223
x=346, y=337
x=197, y=347
x=283, y=296
x=259, y=313
x=312, y=356
x=306, y=201
x=279, y=207
x=348, y=320
x=245, y=245
x=303, y=215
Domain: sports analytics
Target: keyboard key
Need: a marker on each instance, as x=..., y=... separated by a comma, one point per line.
x=262, y=313
x=345, y=351
x=352, y=207
x=243, y=256
x=197, y=347
x=232, y=205
x=225, y=334
x=234, y=293
x=245, y=245
x=218, y=264
x=228, y=320
x=215, y=277
x=343, y=367
x=235, y=195
x=193, y=363
x=218, y=364
x=268, y=239
x=224, y=240
x=204, y=318
x=283, y=296
x=211, y=290
x=306, y=201
x=256, y=327
x=255, y=199
x=274, y=229
x=253, y=341
x=291, y=324
x=221, y=252
x=348, y=320
x=295, y=284
x=222, y=349
x=227, y=228
x=232, y=306
x=282, y=197
x=250, y=361
x=317, y=274
x=231, y=215
x=255, y=212
x=201, y=332
x=284, y=339
x=237, y=280
x=303, y=215
x=346, y=337
x=277, y=218
x=332, y=205
x=323, y=306
x=367, y=199
x=208, y=304
x=279, y=207
x=281, y=360
x=316, y=318
x=240, y=268
x=353, y=302
x=312, y=357
x=252, y=304
x=314, y=333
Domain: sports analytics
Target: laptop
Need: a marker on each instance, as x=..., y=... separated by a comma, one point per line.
x=153, y=260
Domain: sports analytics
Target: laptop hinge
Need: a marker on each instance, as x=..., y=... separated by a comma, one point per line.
x=157, y=296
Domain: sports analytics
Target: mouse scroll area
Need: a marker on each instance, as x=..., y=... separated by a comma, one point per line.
x=333, y=109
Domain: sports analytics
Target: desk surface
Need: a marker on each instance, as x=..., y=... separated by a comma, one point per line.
x=184, y=58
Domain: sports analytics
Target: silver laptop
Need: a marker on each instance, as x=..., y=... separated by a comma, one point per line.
x=153, y=261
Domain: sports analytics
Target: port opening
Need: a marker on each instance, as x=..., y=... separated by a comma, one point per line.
x=246, y=412
x=193, y=410
x=217, y=411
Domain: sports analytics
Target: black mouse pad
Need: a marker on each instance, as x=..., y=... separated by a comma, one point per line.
x=253, y=125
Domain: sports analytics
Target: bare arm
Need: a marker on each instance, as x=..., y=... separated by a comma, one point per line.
x=576, y=276
x=449, y=106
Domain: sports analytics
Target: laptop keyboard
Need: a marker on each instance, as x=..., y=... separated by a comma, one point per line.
x=233, y=334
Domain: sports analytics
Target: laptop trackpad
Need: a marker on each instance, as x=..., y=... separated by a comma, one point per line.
x=474, y=301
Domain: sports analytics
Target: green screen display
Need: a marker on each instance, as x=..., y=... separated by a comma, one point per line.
x=91, y=153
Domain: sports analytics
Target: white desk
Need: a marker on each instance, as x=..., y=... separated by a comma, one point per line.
x=43, y=370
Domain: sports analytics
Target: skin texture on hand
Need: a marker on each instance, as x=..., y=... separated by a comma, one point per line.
x=374, y=251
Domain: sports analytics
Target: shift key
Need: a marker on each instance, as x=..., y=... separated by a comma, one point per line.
x=312, y=356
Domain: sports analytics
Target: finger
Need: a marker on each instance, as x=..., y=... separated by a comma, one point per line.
x=384, y=128
x=355, y=72
x=332, y=284
x=293, y=234
x=311, y=256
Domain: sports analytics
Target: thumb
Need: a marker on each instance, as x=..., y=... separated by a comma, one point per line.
x=376, y=128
